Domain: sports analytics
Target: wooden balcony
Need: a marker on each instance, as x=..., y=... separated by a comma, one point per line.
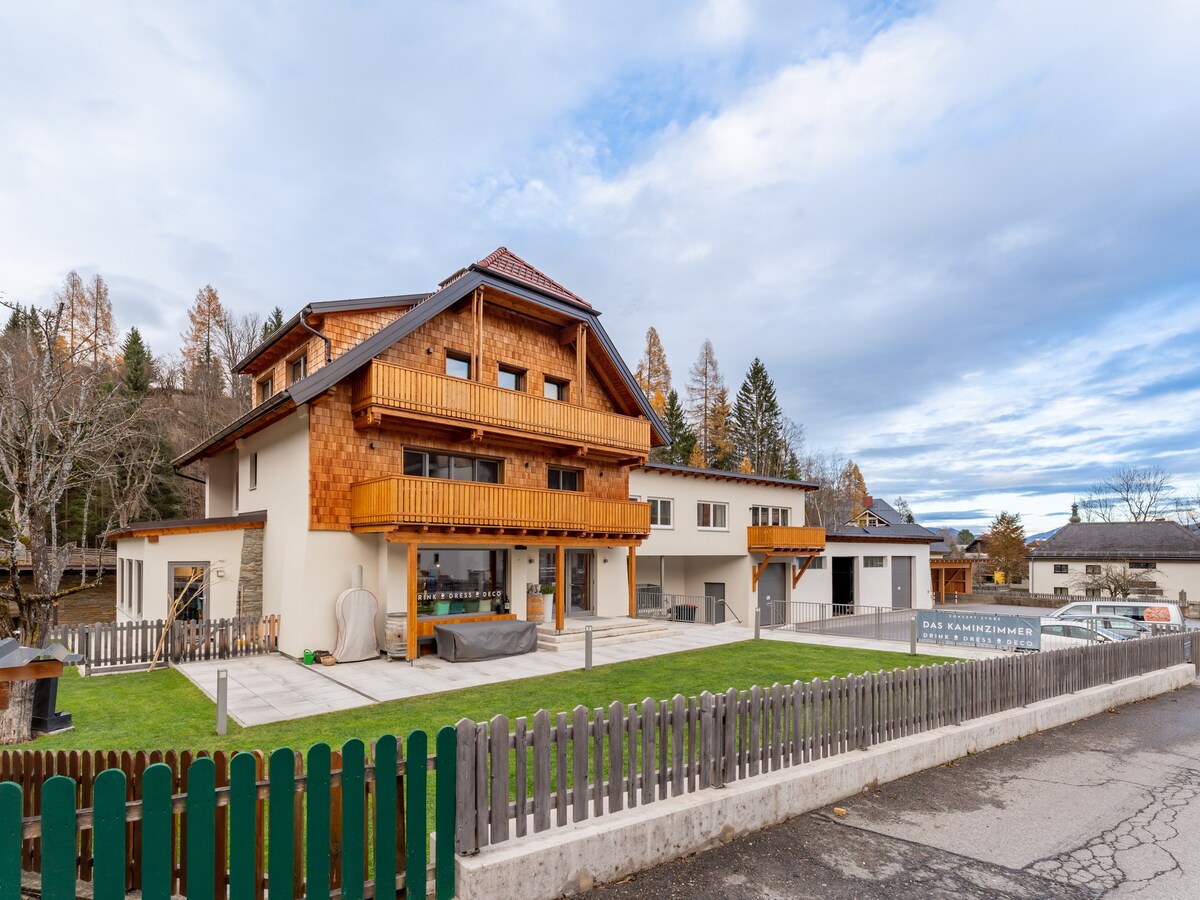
x=386, y=391
x=784, y=539
x=468, y=508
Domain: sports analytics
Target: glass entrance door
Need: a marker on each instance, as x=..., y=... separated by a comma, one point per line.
x=579, y=583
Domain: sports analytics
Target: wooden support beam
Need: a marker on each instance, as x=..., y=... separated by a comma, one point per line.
x=560, y=586
x=798, y=572
x=631, y=561
x=758, y=571
x=568, y=334
x=411, y=649
x=581, y=365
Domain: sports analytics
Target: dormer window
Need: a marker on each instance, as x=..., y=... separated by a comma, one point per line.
x=298, y=368
x=266, y=390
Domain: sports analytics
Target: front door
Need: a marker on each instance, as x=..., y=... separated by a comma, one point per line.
x=901, y=582
x=579, y=583
x=843, y=585
x=772, y=594
x=715, y=590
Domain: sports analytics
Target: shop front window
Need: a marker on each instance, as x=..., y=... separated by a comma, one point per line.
x=455, y=582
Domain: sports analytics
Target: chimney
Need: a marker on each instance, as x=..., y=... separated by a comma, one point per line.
x=868, y=501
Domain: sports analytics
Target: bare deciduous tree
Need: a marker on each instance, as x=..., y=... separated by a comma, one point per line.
x=1117, y=580
x=1130, y=494
x=237, y=335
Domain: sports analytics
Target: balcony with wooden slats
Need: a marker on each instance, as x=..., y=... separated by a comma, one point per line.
x=386, y=391
x=783, y=539
x=417, y=504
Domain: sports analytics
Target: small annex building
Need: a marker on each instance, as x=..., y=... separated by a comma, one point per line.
x=876, y=559
x=1164, y=554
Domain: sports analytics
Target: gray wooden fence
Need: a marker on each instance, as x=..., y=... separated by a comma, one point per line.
x=113, y=646
x=566, y=767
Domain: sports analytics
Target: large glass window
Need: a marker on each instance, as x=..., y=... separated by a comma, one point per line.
x=431, y=464
x=458, y=365
x=451, y=582
x=189, y=589
x=511, y=378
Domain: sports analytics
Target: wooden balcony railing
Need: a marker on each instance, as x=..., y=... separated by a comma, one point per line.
x=402, y=500
x=387, y=388
x=784, y=538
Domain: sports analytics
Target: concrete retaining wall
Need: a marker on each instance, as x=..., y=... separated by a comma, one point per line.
x=569, y=860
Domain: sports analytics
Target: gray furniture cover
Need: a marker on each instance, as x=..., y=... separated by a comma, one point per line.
x=468, y=641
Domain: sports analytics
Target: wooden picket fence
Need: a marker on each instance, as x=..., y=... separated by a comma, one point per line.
x=243, y=826
x=113, y=646
x=608, y=759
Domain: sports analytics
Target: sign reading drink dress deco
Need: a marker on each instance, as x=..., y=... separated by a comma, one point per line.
x=979, y=629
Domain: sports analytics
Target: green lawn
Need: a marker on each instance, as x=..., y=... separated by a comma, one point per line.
x=163, y=710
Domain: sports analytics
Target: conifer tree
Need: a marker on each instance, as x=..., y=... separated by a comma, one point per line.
x=273, y=323
x=653, y=374
x=137, y=366
x=696, y=460
x=99, y=327
x=852, y=489
x=200, y=343
x=758, y=423
x=906, y=513
x=705, y=385
x=683, y=439
x=721, y=453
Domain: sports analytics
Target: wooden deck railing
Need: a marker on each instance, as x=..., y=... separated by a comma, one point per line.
x=386, y=386
x=408, y=500
x=780, y=538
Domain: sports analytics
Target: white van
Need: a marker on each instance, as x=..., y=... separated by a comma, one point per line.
x=1141, y=610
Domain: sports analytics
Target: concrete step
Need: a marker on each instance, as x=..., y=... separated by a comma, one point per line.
x=610, y=641
x=604, y=633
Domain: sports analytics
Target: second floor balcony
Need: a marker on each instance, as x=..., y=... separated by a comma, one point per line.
x=784, y=539
x=386, y=391
x=408, y=502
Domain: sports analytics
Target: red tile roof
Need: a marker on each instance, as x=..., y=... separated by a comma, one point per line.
x=504, y=262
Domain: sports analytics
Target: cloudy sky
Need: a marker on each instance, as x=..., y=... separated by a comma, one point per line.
x=964, y=237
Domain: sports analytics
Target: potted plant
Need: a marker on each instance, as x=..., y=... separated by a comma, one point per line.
x=548, y=593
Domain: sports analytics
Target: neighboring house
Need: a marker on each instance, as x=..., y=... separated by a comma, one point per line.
x=739, y=538
x=950, y=572
x=877, y=559
x=458, y=446
x=1165, y=554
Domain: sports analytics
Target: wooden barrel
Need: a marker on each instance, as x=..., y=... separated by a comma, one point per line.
x=535, y=608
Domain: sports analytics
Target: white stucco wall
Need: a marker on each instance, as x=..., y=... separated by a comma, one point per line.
x=220, y=550
x=1173, y=576
x=872, y=586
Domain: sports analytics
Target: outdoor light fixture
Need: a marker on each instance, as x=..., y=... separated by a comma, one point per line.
x=429, y=351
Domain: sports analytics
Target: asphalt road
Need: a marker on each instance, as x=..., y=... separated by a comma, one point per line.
x=1108, y=807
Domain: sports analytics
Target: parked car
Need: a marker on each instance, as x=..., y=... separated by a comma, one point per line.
x=1058, y=634
x=1122, y=626
x=1140, y=610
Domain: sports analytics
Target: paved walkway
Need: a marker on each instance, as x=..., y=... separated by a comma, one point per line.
x=276, y=688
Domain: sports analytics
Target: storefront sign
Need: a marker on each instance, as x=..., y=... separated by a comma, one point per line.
x=979, y=629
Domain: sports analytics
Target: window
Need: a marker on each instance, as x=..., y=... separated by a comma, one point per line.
x=137, y=586
x=713, y=516
x=874, y=562
x=563, y=479
x=189, y=589
x=660, y=512
x=253, y=471
x=458, y=365
x=770, y=515
x=511, y=378
x=1143, y=565
x=1060, y=569
x=1061, y=591
x=817, y=563
x=266, y=390
x=1091, y=592
x=1092, y=570
x=458, y=581
x=431, y=464
x=555, y=389
x=297, y=368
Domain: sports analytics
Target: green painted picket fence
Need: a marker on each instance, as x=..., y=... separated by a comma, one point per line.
x=286, y=856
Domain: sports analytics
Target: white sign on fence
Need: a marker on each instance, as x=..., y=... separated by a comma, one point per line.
x=979, y=629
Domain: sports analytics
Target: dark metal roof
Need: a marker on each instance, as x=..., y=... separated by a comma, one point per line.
x=672, y=469
x=13, y=654
x=1119, y=541
x=320, y=307
x=246, y=518
x=901, y=532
